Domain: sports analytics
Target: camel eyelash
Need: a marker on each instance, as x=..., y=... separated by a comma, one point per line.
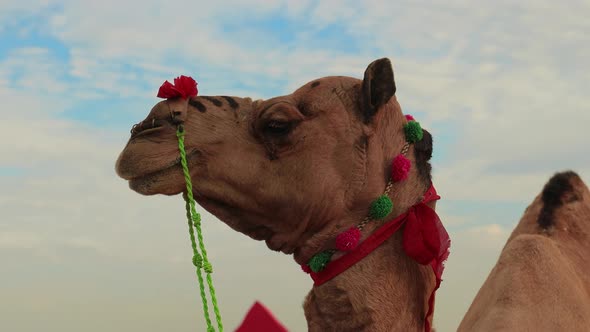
x=277, y=127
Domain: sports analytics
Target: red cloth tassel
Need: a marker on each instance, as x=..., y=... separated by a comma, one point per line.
x=258, y=319
x=184, y=87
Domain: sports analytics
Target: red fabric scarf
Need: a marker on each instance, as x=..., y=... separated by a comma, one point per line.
x=259, y=319
x=425, y=240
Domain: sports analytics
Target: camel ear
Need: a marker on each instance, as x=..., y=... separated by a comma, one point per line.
x=378, y=87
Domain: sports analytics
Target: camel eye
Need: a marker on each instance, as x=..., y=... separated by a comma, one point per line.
x=277, y=128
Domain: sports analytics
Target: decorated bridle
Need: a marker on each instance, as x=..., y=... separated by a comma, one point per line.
x=425, y=239
x=186, y=87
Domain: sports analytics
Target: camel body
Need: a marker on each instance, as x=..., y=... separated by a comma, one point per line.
x=541, y=281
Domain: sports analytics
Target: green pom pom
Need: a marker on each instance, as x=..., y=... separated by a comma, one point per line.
x=319, y=261
x=381, y=207
x=413, y=131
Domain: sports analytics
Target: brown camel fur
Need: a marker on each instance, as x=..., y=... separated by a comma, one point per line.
x=295, y=171
x=541, y=281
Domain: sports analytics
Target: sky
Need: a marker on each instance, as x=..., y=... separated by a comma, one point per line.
x=502, y=87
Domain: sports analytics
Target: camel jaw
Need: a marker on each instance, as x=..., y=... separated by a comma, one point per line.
x=162, y=176
x=168, y=181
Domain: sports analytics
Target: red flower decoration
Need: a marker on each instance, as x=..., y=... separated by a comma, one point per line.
x=400, y=168
x=184, y=87
x=348, y=240
x=409, y=117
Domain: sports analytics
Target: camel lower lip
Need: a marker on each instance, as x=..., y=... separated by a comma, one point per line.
x=145, y=177
x=173, y=164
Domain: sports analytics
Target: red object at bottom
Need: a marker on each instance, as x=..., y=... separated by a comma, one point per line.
x=259, y=319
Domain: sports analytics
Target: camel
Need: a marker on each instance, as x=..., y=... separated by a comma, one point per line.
x=296, y=171
x=541, y=281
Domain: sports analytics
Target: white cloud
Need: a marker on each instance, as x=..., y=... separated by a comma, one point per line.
x=34, y=70
x=473, y=180
x=19, y=240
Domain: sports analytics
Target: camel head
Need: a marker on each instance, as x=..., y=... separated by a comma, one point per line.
x=291, y=170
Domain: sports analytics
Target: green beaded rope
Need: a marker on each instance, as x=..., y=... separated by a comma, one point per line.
x=199, y=259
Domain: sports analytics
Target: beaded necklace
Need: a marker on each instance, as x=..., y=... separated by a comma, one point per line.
x=380, y=208
x=424, y=239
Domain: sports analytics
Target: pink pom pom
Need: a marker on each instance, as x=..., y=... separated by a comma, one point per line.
x=305, y=268
x=409, y=117
x=400, y=168
x=348, y=240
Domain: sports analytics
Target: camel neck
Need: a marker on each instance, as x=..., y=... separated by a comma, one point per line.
x=373, y=241
x=386, y=291
x=423, y=239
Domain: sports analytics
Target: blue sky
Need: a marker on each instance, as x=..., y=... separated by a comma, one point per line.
x=501, y=87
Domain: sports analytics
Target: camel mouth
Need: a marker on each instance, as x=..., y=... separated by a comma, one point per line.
x=139, y=182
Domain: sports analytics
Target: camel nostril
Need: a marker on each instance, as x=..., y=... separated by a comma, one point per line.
x=136, y=128
x=145, y=125
x=176, y=119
